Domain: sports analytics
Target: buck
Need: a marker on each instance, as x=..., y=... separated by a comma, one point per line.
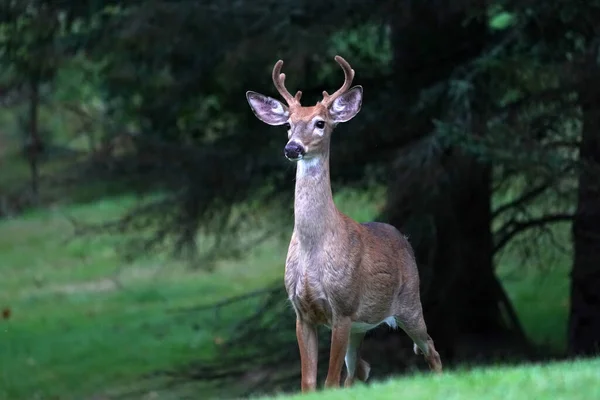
x=348, y=276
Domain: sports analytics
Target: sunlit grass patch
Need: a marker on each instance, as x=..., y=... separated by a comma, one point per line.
x=564, y=380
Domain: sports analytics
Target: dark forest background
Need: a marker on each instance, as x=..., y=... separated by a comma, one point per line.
x=145, y=210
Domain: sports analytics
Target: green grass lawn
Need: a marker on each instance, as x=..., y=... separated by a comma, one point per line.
x=557, y=381
x=83, y=323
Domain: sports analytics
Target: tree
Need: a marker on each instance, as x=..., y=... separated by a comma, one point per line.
x=31, y=53
x=455, y=246
x=584, y=319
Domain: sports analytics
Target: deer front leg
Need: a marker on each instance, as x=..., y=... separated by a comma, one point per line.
x=308, y=344
x=340, y=334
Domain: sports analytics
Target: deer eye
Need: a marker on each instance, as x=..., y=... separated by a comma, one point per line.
x=287, y=126
x=320, y=124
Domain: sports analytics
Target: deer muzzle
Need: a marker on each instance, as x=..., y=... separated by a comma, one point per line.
x=294, y=151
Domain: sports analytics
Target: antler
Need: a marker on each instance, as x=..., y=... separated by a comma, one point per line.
x=348, y=77
x=279, y=81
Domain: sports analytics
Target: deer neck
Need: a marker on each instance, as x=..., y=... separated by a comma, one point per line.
x=314, y=210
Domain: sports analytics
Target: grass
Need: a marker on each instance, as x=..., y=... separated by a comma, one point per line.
x=73, y=330
x=557, y=381
x=83, y=323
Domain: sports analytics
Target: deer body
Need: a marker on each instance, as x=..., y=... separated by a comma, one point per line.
x=348, y=276
x=335, y=263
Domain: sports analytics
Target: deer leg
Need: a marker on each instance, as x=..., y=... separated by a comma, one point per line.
x=308, y=345
x=340, y=335
x=424, y=342
x=356, y=366
x=417, y=330
x=362, y=371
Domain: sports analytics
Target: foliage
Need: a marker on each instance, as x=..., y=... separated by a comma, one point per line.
x=181, y=108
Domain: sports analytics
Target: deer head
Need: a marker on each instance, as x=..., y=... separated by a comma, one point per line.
x=309, y=128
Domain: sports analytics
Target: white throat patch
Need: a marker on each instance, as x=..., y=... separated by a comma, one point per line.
x=307, y=167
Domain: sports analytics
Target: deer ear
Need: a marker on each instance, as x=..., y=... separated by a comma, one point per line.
x=267, y=109
x=347, y=105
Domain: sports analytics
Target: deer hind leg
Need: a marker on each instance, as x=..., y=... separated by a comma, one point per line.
x=417, y=330
x=356, y=367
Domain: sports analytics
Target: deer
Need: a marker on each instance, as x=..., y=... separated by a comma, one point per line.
x=349, y=276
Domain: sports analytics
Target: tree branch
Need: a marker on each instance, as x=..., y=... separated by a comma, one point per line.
x=521, y=200
x=522, y=226
x=228, y=301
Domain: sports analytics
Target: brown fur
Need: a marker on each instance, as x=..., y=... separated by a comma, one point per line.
x=348, y=276
x=340, y=270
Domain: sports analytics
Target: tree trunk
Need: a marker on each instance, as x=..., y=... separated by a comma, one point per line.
x=464, y=303
x=451, y=230
x=34, y=142
x=584, y=319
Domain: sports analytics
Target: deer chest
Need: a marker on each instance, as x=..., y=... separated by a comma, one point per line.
x=309, y=299
x=318, y=289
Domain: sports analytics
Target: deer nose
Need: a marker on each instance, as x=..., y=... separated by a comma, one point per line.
x=294, y=151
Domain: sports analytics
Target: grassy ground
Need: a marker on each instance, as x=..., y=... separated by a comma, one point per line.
x=83, y=324
x=566, y=380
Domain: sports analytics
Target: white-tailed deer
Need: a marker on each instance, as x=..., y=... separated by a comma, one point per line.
x=348, y=276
